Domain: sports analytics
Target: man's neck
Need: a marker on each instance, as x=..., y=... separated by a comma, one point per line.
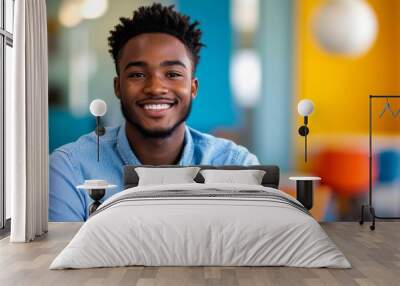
x=156, y=151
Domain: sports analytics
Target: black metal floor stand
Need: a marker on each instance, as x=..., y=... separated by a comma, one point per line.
x=369, y=206
x=372, y=212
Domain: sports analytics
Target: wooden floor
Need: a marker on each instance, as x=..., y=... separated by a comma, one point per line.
x=374, y=255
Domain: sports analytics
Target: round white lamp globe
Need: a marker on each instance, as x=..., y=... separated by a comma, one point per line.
x=245, y=77
x=98, y=107
x=305, y=107
x=245, y=15
x=346, y=27
x=92, y=9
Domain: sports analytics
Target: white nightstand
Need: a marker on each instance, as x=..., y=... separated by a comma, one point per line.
x=304, y=189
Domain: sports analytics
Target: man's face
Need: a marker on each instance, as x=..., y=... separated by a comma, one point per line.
x=155, y=83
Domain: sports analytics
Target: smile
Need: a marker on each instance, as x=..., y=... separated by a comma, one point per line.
x=158, y=107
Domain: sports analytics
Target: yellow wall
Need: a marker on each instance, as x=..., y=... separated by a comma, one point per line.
x=340, y=86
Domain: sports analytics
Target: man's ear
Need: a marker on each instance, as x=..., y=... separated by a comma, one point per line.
x=117, y=87
x=194, y=87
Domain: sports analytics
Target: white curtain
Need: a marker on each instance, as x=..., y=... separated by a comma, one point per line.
x=27, y=123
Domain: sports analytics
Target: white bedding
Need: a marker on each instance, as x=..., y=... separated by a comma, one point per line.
x=223, y=224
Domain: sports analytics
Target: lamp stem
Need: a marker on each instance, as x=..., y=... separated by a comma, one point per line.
x=305, y=138
x=305, y=148
x=98, y=137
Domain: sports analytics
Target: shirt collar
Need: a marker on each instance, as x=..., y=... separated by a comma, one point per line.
x=129, y=157
x=188, y=149
x=124, y=148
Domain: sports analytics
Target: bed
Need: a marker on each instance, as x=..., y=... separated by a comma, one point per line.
x=201, y=223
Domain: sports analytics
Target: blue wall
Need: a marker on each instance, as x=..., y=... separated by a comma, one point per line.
x=214, y=105
x=65, y=127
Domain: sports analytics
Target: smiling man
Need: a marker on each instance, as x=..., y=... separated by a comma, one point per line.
x=155, y=54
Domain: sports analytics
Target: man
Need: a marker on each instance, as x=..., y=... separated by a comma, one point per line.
x=155, y=53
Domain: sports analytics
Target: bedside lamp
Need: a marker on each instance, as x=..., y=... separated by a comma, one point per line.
x=98, y=108
x=95, y=187
x=304, y=184
x=305, y=108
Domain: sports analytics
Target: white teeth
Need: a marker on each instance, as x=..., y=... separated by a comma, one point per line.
x=157, y=106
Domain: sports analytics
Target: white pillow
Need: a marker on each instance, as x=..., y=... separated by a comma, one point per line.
x=162, y=176
x=248, y=177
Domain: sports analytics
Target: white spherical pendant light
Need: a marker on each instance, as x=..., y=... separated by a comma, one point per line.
x=346, y=27
x=245, y=15
x=245, y=77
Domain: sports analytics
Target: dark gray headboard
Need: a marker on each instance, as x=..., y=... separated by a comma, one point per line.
x=270, y=179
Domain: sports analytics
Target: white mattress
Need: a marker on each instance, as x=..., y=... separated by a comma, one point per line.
x=143, y=226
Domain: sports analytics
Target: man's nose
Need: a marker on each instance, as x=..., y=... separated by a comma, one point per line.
x=155, y=86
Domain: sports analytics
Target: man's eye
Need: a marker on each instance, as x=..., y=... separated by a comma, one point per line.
x=136, y=74
x=173, y=75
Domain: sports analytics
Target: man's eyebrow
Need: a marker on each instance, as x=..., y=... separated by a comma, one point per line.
x=172, y=63
x=135, y=64
x=163, y=64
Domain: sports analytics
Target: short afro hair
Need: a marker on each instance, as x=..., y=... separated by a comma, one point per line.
x=156, y=19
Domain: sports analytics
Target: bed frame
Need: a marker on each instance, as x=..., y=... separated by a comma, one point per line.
x=270, y=179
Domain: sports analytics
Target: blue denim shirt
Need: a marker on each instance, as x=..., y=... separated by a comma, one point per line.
x=72, y=164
